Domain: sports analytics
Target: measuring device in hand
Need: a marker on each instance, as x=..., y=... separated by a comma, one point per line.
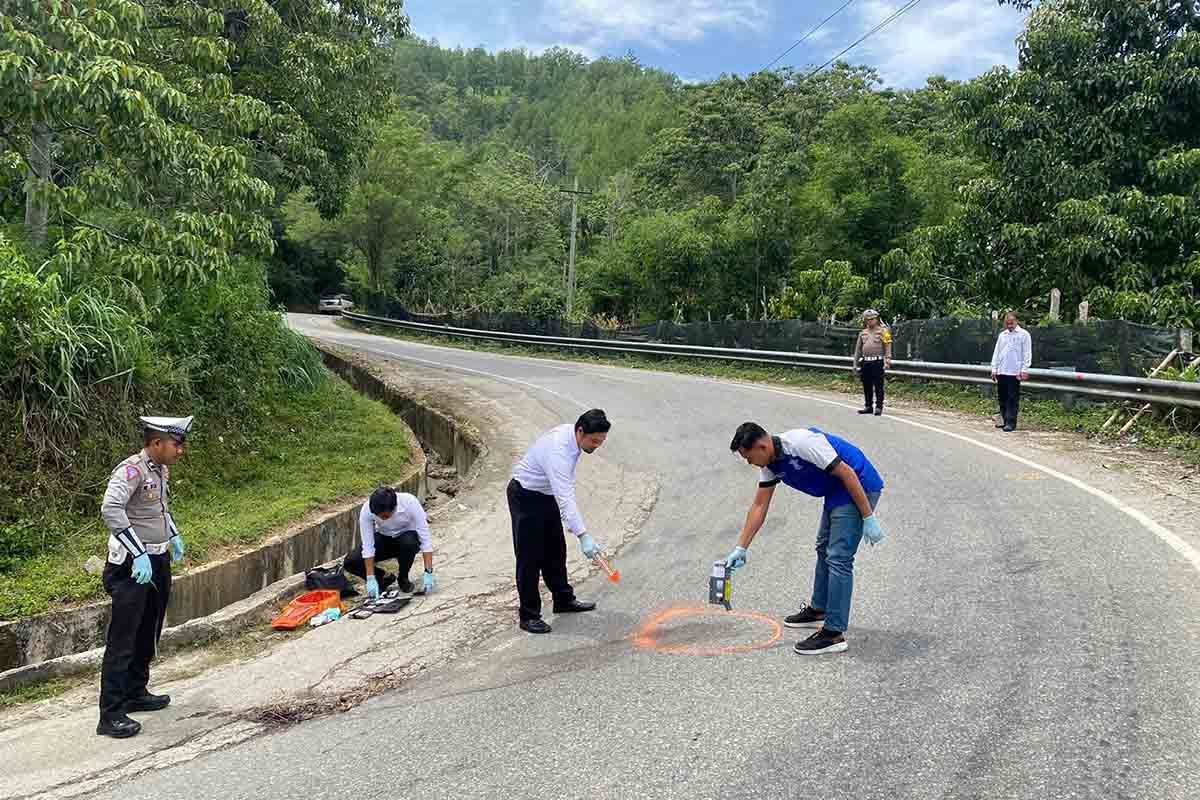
x=720, y=585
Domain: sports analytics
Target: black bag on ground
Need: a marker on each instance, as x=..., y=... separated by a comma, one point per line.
x=329, y=578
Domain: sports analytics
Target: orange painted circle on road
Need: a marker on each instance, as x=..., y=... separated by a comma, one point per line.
x=647, y=636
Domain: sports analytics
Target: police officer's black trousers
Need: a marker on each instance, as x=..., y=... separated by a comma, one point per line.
x=138, y=613
x=540, y=547
x=403, y=548
x=1008, y=391
x=872, y=381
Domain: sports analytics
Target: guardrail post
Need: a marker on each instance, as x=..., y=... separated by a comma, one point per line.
x=1068, y=399
x=1055, y=303
x=1083, y=311
x=1185, y=340
x=987, y=390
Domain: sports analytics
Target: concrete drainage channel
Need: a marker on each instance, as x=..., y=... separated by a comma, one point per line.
x=224, y=597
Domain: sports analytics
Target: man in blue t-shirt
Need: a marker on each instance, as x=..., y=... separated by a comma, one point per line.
x=821, y=465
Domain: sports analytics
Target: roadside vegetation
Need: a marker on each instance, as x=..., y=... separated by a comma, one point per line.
x=145, y=152
x=236, y=485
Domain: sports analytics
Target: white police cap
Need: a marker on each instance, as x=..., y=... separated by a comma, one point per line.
x=179, y=427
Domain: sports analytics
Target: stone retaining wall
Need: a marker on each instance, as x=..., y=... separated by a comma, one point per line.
x=207, y=589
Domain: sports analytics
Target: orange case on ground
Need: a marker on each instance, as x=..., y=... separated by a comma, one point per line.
x=305, y=607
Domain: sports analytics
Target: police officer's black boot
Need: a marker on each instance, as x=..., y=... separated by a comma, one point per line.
x=118, y=727
x=147, y=702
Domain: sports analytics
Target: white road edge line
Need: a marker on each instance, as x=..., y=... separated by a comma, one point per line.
x=492, y=375
x=595, y=370
x=1172, y=539
x=1169, y=537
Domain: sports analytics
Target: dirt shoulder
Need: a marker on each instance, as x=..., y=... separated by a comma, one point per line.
x=251, y=685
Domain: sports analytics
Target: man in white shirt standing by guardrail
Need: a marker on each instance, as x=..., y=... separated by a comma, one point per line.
x=1010, y=365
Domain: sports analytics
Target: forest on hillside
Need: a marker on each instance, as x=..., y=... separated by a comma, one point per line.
x=145, y=149
x=172, y=173
x=784, y=194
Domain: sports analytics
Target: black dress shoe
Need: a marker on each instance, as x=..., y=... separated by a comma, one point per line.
x=1000, y=424
x=535, y=626
x=121, y=727
x=147, y=702
x=879, y=411
x=864, y=411
x=574, y=607
x=1008, y=429
x=405, y=586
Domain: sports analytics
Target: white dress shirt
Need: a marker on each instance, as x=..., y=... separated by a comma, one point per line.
x=1013, y=353
x=549, y=468
x=409, y=516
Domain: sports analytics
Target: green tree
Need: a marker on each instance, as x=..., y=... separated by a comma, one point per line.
x=386, y=208
x=125, y=119
x=319, y=67
x=1096, y=161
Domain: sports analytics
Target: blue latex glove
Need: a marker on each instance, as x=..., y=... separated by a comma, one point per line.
x=872, y=530
x=430, y=583
x=736, y=559
x=176, y=548
x=372, y=588
x=142, y=570
x=588, y=546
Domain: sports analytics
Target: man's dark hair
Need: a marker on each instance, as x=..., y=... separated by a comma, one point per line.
x=593, y=421
x=383, y=500
x=149, y=436
x=747, y=435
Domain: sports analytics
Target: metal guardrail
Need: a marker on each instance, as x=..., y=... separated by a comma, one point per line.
x=1104, y=387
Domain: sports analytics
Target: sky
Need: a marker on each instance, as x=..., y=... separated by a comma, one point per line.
x=702, y=39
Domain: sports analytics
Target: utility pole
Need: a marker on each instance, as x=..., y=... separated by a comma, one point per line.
x=575, y=193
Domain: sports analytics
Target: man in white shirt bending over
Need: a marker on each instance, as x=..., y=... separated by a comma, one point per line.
x=1010, y=366
x=541, y=499
x=391, y=524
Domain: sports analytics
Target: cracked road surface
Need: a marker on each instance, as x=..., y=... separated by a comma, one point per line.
x=1015, y=637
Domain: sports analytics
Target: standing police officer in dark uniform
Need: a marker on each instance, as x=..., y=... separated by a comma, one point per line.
x=872, y=356
x=138, y=573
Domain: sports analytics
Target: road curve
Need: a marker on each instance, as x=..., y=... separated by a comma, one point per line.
x=1019, y=635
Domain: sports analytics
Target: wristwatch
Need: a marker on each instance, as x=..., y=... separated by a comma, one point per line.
x=429, y=570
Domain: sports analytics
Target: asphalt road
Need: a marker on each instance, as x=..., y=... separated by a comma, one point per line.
x=1015, y=637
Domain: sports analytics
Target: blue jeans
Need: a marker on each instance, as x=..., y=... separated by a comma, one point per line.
x=837, y=542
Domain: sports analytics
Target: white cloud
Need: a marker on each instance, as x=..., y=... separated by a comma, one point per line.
x=591, y=27
x=657, y=23
x=956, y=38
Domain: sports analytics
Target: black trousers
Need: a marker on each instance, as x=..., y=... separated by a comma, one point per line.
x=872, y=381
x=138, y=613
x=403, y=548
x=1008, y=391
x=540, y=547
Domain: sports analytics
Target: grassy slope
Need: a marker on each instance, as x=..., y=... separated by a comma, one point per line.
x=328, y=444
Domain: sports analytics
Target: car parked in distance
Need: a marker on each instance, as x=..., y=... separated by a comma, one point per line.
x=335, y=304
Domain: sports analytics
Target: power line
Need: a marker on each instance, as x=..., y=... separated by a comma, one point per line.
x=895, y=15
x=806, y=36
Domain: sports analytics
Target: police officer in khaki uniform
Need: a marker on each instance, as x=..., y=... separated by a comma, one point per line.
x=138, y=573
x=872, y=356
